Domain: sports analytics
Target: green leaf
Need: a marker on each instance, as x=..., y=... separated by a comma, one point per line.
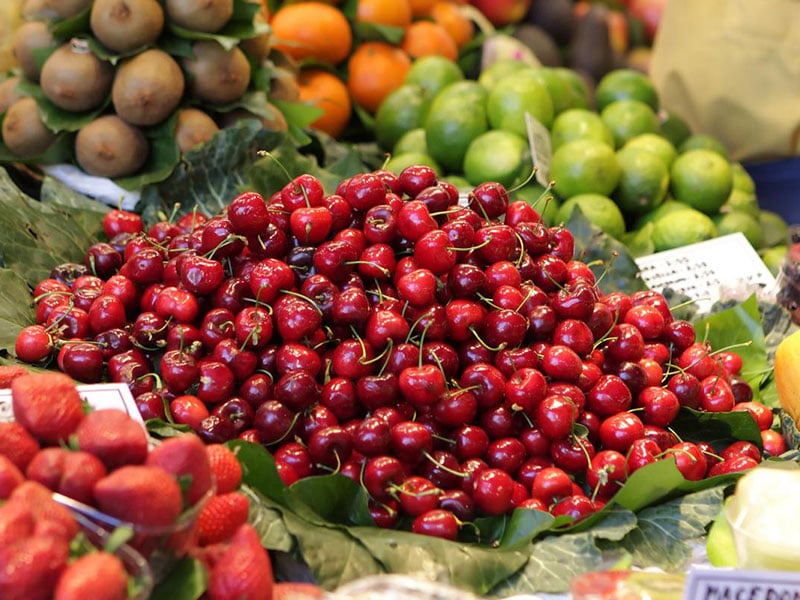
x=380, y=33
x=55, y=192
x=16, y=311
x=649, y=484
x=617, y=522
x=259, y=471
x=330, y=497
x=58, y=119
x=660, y=539
x=162, y=160
x=298, y=115
x=475, y=568
x=240, y=27
x=162, y=429
x=186, y=581
x=523, y=526
x=75, y=25
x=268, y=522
x=718, y=429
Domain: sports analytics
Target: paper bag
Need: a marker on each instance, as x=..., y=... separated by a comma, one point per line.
x=731, y=68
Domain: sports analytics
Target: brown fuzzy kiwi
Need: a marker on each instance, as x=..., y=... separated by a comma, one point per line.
x=258, y=48
x=277, y=122
x=24, y=132
x=37, y=9
x=125, y=25
x=29, y=37
x=74, y=79
x=192, y=128
x=110, y=147
x=64, y=9
x=9, y=92
x=284, y=85
x=147, y=87
x=218, y=76
x=208, y=16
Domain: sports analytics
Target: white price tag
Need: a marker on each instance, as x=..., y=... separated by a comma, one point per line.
x=706, y=583
x=541, y=150
x=709, y=270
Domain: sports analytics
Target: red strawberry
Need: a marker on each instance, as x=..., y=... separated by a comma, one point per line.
x=184, y=456
x=114, y=437
x=82, y=471
x=140, y=494
x=16, y=522
x=244, y=571
x=221, y=517
x=30, y=567
x=97, y=575
x=47, y=404
x=47, y=467
x=10, y=477
x=9, y=373
x=226, y=467
x=49, y=516
x=17, y=444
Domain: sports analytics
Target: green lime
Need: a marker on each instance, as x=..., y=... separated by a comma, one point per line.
x=572, y=89
x=703, y=141
x=456, y=116
x=776, y=231
x=461, y=183
x=411, y=141
x=737, y=220
x=579, y=123
x=542, y=199
x=398, y=162
x=584, y=167
x=599, y=210
x=402, y=110
x=499, y=70
x=674, y=128
x=628, y=118
x=643, y=181
x=741, y=179
x=513, y=97
x=655, y=143
x=681, y=228
x=625, y=84
x=720, y=545
x=701, y=178
x=667, y=207
x=433, y=73
x=743, y=201
x=496, y=155
x=774, y=257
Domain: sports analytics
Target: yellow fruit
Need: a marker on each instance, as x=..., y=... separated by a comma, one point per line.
x=787, y=374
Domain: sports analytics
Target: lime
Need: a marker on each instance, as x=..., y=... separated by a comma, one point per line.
x=623, y=84
x=674, y=128
x=398, y=162
x=741, y=179
x=433, y=73
x=744, y=201
x=512, y=97
x=776, y=231
x=560, y=90
x=655, y=143
x=703, y=141
x=411, y=141
x=457, y=116
x=643, y=181
x=737, y=220
x=496, y=155
x=774, y=257
x=669, y=206
x=579, y=123
x=628, y=118
x=702, y=179
x=681, y=228
x=575, y=92
x=720, y=545
x=499, y=70
x=462, y=185
x=584, y=167
x=599, y=210
x=542, y=199
x=404, y=109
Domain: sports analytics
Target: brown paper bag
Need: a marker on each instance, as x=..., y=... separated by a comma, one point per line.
x=731, y=68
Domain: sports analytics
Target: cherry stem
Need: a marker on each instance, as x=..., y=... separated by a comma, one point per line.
x=384, y=270
x=289, y=177
x=444, y=467
x=302, y=296
x=289, y=429
x=483, y=343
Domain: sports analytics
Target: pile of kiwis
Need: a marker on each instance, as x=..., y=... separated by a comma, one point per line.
x=120, y=82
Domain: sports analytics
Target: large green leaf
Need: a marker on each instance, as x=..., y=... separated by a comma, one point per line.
x=523, y=526
x=15, y=308
x=332, y=498
x=718, y=429
x=268, y=522
x=186, y=581
x=55, y=192
x=259, y=471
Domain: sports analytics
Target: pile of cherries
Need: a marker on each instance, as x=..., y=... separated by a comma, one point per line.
x=451, y=357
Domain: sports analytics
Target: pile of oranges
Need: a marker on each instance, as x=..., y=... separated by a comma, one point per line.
x=339, y=69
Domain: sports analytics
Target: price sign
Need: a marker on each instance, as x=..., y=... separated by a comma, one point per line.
x=706, y=583
x=541, y=150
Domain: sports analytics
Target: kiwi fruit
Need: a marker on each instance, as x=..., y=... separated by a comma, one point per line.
x=110, y=147
x=125, y=25
x=74, y=79
x=28, y=38
x=277, y=122
x=218, y=76
x=24, y=132
x=208, y=16
x=283, y=85
x=258, y=48
x=37, y=9
x=9, y=92
x=147, y=87
x=192, y=128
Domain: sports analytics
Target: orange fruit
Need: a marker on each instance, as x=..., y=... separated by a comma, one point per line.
x=421, y=8
x=454, y=21
x=375, y=70
x=426, y=37
x=313, y=30
x=326, y=91
x=394, y=13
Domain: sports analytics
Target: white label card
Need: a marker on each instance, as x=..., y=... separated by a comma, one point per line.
x=541, y=150
x=709, y=270
x=706, y=583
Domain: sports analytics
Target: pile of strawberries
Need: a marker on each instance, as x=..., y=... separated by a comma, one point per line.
x=453, y=358
x=103, y=459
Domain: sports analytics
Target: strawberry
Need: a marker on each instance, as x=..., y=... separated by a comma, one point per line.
x=226, y=468
x=16, y=522
x=17, y=444
x=47, y=466
x=221, y=517
x=10, y=477
x=97, y=575
x=114, y=437
x=184, y=456
x=68, y=472
x=244, y=571
x=50, y=517
x=30, y=567
x=47, y=404
x=291, y=590
x=140, y=494
x=9, y=373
